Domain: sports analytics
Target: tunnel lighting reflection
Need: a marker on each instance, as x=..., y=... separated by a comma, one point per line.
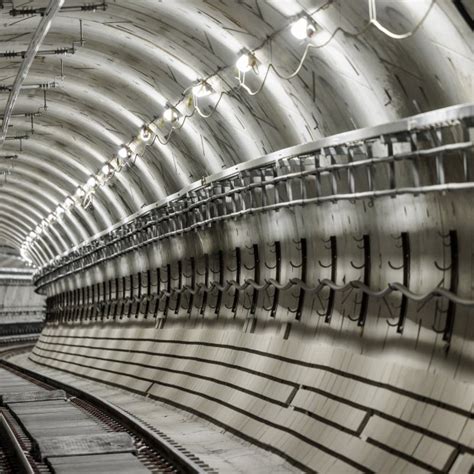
x=246, y=62
x=302, y=29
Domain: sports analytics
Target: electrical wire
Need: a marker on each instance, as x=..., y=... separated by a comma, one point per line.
x=373, y=21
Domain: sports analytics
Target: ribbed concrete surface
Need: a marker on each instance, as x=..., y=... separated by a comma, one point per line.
x=326, y=408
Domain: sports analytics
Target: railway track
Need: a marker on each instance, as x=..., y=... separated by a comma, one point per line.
x=47, y=426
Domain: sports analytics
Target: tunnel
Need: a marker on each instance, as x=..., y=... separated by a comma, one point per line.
x=236, y=236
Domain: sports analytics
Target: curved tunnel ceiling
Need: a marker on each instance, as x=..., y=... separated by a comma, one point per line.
x=138, y=56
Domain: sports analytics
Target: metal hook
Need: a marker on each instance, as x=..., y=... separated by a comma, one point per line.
x=444, y=236
x=354, y=319
x=443, y=269
x=436, y=330
x=394, y=267
x=231, y=269
x=322, y=314
x=214, y=271
x=270, y=267
x=299, y=265
x=199, y=273
x=167, y=278
x=323, y=265
x=357, y=267
x=189, y=275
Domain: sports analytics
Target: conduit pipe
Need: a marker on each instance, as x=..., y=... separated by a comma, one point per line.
x=35, y=43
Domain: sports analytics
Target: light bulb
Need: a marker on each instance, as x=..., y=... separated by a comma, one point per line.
x=91, y=182
x=246, y=62
x=170, y=114
x=32, y=234
x=145, y=133
x=106, y=169
x=68, y=203
x=80, y=193
x=302, y=29
x=124, y=151
x=38, y=230
x=203, y=89
x=50, y=218
x=59, y=210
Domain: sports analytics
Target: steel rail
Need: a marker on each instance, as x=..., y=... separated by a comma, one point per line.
x=24, y=466
x=37, y=39
x=186, y=464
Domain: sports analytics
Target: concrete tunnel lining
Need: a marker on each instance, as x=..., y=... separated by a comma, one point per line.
x=290, y=276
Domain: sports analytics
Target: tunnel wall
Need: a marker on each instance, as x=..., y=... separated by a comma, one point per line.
x=22, y=310
x=336, y=332
x=322, y=407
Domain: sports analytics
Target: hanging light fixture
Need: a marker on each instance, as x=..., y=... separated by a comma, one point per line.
x=59, y=211
x=68, y=203
x=145, y=134
x=202, y=89
x=302, y=28
x=79, y=194
x=170, y=114
x=91, y=183
x=246, y=62
x=106, y=170
x=124, y=152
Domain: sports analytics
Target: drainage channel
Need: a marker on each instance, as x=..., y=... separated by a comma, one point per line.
x=47, y=426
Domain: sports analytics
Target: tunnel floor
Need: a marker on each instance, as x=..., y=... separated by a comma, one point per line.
x=219, y=449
